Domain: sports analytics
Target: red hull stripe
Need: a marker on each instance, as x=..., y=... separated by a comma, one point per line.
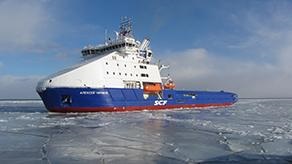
x=135, y=108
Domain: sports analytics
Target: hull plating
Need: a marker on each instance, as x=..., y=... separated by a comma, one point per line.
x=115, y=99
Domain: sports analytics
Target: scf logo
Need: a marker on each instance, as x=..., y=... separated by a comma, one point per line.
x=160, y=102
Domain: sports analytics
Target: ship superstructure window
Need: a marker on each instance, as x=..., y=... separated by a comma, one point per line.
x=132, y=84
x=114, y=73
x=107, y=72
x=130, y=44
x=143, y=67
x=106, y=63
x=144, y=75
x=120, y=73
x=117, y=64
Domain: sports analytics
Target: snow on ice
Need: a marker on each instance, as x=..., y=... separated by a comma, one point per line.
x=249, y=131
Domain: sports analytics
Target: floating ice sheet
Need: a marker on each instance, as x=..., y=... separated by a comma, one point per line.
x=249, y=131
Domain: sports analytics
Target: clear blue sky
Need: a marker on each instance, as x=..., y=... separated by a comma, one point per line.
x=226, y=44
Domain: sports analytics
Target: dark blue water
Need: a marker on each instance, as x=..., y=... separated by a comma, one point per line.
x=250, y=131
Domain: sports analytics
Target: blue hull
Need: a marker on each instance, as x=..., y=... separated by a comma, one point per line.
x=116, y=99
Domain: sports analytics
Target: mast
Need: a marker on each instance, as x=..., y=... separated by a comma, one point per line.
x=126, y=27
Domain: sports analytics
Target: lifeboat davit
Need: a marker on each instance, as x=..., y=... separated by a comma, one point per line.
x=152, y=88
x=169, y=85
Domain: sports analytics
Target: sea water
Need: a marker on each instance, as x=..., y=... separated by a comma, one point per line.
x=254, y=130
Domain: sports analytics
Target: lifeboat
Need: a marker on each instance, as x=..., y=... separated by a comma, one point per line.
x=152, y=87
x=169, y=85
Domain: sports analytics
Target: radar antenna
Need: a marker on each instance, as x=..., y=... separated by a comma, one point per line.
x=126, y=27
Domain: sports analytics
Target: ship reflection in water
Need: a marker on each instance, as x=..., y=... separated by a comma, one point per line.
x=250, y=131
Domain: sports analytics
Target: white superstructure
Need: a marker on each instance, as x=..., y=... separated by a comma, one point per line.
x=122, y=62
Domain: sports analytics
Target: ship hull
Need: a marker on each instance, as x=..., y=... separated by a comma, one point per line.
x=120, y=99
